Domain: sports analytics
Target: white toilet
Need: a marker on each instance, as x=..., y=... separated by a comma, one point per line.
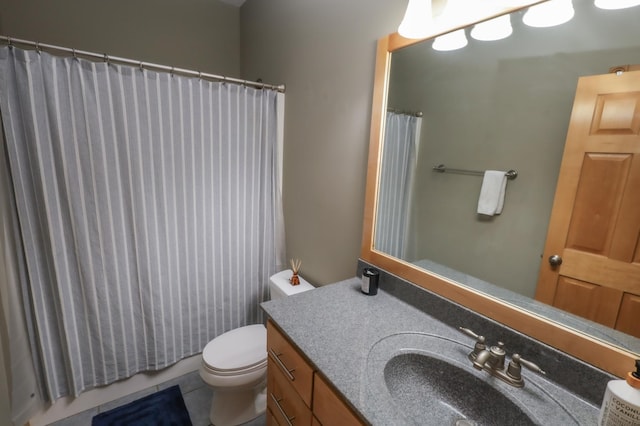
x=234, y=364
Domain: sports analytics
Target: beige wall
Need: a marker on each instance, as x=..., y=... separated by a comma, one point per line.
x=324, y=51
x=196, y=34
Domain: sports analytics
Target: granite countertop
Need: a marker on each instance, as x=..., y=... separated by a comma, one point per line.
x=337, y=327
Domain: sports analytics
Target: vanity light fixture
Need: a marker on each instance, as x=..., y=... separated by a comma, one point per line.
x=514, y=3
x=455, y=9
x=616, y=4
x=417, y=21
x=493, y=29
x=450, y=41
x=549, y=14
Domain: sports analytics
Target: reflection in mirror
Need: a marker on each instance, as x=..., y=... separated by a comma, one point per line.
x=397, y=173
x=495, y=105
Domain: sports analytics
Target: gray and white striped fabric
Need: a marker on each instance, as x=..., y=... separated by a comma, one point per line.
x=399, y=157
x=149, y=208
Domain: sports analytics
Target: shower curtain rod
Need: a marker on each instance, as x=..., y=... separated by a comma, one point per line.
x=148, y=65
x=400, y=111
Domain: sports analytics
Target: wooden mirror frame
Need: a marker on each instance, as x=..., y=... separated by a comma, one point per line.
x=584, y=347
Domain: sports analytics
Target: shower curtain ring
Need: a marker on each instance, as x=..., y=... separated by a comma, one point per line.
x=9, y=43
x=37, y=47
x=74, y=54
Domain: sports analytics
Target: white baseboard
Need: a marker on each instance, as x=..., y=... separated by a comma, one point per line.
x=68, y=406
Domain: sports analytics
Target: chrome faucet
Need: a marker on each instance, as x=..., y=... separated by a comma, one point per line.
x=492, y=361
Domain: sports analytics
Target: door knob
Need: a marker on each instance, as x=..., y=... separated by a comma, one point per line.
x=555, y=260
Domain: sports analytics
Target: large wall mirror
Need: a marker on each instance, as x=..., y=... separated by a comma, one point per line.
x=498, y=105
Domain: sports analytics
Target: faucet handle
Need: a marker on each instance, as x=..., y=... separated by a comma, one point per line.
x=517, y=361
x=478, y=338
x=478, y=347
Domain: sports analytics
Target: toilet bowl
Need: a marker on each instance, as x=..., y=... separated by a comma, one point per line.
x=234, y=364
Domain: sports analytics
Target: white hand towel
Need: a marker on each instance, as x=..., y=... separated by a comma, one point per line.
x=492, y=192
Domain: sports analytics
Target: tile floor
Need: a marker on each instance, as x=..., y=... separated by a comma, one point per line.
x=196, y=394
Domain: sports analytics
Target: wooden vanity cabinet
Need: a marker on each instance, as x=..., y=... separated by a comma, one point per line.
x=289, y=382
x=284, y=404
x=296, y=394
x=328, y=408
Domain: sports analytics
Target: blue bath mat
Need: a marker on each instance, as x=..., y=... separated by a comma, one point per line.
x=163, y=408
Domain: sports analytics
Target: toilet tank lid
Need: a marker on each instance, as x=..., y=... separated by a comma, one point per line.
x=237, y=349
x=281, y=281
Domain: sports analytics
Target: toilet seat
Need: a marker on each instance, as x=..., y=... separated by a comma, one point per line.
x=236, y=372
x=236, y=352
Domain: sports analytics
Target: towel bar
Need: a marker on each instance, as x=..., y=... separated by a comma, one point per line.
x=441, y=168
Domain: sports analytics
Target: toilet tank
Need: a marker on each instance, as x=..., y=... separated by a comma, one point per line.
x=280, y=287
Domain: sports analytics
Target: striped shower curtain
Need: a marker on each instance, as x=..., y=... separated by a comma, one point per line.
x=399, y=157
x=149, y=210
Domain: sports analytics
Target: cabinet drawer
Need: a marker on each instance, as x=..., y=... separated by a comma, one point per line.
x=328, y=408
x=283, y=402
x=271, y=418
x=290, y=363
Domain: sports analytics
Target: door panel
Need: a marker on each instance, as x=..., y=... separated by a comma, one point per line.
x=616, y=114
x=594, y=302
x=628, y=319
x=599, y=269
x=627, y=232
x=598, y=201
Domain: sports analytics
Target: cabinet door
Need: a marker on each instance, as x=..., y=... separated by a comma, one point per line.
x=328, y=408
x=283, y=402
x=290, y=363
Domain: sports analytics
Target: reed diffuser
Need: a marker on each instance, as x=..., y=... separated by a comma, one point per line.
x=295, y=267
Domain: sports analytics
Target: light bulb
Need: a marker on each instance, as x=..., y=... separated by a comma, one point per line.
x=450, y=41
x=616, y=4
x=417, y=21
x=494, y=29
x=549, y=14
